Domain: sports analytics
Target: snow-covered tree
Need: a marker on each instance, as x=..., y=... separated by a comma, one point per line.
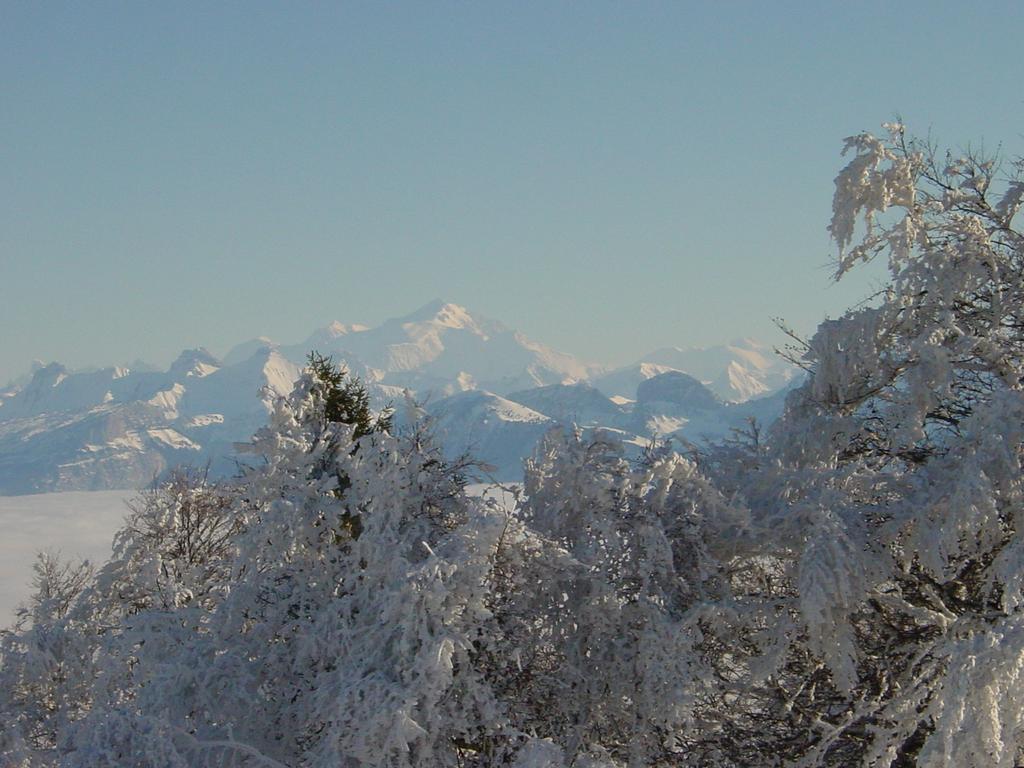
x=590, y=603
x=44, y=658
x=283, y=620
x=890, y=493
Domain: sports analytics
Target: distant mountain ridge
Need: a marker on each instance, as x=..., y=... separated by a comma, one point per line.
x=113, y=428
x=490, y=389
x=442, y=347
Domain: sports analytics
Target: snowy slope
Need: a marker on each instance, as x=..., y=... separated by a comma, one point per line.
x=579, y=404
x=493, y=430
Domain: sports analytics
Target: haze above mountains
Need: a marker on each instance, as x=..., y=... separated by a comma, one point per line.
x=491, y=391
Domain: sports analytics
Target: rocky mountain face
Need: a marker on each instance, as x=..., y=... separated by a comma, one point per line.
x=490, y=390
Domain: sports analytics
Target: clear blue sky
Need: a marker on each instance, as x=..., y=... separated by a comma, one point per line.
x=606, y=177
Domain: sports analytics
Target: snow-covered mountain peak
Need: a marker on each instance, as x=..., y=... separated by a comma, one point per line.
x=676, y=388
x=735, y=372
x=49, y=376
x=623, y=382
x=245, y=350
x=427, y=312
x=442, y=347
x=266, y=369
x=454, y=316
x=742, y=381
x=440, y=315
x=326, y=339
x=280, y=373
x=335, y=330
x=195, y=362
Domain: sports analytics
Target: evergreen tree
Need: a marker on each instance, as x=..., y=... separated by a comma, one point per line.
x=345, y=399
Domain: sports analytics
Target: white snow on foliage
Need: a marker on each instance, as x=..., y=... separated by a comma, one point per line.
x=80, y=525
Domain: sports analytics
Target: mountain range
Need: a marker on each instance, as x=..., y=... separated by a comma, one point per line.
x=490, y=390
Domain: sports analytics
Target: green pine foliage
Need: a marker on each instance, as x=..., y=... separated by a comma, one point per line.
x=346, y=400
